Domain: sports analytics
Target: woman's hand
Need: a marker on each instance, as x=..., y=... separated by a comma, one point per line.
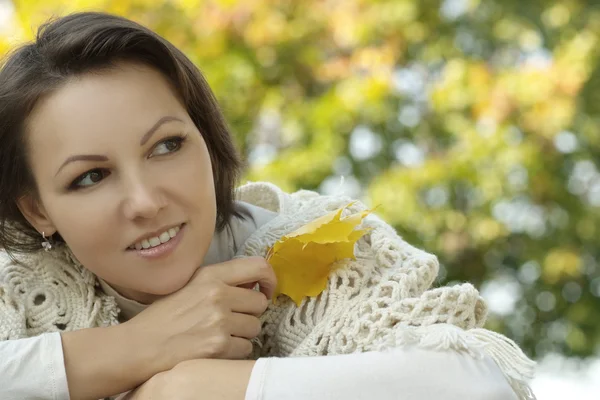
x=210, y=317
x=197, y=379
x=213, y=316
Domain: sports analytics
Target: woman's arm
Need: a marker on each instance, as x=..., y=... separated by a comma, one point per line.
x=198, y=379
x=403, y=374
x=102, y=362
x=214, y=318
x=86, y=364
x=33, y=368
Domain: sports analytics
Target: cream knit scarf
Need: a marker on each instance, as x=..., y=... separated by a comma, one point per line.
x=381, y=300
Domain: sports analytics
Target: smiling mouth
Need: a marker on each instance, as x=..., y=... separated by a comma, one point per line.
x=156, y=241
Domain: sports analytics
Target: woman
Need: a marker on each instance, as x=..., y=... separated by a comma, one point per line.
x=116, y=159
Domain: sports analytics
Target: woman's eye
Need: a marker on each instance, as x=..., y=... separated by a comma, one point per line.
x=167, y=146
x=90, y=178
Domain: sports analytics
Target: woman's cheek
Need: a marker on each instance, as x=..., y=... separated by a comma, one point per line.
x=90, y=231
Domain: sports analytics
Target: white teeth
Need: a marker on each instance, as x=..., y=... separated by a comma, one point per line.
x=157, y=240
x=164, y=237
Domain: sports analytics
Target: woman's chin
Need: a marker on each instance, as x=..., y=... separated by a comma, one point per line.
x=167, y=286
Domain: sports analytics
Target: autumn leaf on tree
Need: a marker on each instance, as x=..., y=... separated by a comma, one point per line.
x=303, y=259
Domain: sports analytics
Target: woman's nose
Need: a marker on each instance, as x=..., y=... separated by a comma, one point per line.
x=142, y=201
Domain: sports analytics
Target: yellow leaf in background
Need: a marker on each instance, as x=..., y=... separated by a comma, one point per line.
x=303, y=259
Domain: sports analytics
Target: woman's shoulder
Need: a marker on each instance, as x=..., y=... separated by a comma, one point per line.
x=291, y=211
x=295, y=208
x=299, y=208
x=273, y=198
x=385, y=298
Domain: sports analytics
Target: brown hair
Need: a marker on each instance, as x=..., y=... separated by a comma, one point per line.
x=82, y=43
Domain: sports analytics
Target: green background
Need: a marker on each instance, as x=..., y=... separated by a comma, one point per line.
x=473, y=125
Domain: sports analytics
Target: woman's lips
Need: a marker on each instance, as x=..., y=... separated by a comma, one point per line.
x=163, y=249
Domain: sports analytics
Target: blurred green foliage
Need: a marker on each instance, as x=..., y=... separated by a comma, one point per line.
x=474, y=124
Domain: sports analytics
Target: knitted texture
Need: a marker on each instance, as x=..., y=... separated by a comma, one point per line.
x=381, y=300
x=50, y=292
x=367, y=298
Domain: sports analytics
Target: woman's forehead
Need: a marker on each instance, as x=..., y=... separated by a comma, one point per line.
x=101, y=106
x=128, y=88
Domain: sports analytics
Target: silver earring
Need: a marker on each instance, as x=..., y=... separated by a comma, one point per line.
x=46, y=244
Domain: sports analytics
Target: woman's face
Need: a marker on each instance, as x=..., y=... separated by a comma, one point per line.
x=125, y=177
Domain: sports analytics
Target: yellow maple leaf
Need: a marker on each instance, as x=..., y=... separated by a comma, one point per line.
x=303, y=259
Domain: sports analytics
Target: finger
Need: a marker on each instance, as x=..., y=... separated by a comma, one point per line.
x=242, y=271
x=244, y=326
x=239, y=348
x=246, y=301
x=127, y=396
x=250, y=285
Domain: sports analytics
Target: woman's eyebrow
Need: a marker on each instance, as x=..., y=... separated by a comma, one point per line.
x=82, y=157
x=157, y=125
x=96, y=157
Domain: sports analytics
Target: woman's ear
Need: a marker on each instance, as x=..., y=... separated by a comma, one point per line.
x=35, y=213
